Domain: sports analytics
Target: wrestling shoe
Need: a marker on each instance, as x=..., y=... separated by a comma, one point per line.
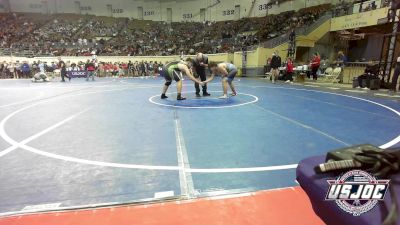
x=180, y=98
x=206, y=94
x=223, y=97
x=163, y=96
x=198, y=95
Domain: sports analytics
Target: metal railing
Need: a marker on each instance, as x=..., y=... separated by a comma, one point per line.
x=308, y=29
x=299, y=31
x=355, y=69
x=355, y=8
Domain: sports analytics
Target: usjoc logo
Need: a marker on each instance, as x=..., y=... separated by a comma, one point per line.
x=79, y=73
x=357, y=191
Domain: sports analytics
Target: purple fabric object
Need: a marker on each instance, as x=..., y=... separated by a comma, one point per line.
x=316, y=186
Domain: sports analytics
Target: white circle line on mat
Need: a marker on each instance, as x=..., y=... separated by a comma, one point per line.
x=6, y=137
x=384, y=146
x=255, y=99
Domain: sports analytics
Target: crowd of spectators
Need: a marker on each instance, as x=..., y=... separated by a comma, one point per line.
x=53, y=38
x=73, y=35
x=99, y=28
x=103, y=69
x=14, y=28
x=17, y=69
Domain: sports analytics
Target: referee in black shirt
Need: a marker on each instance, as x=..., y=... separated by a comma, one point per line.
x=63, y=69
x=200, y=63
x=276, y=62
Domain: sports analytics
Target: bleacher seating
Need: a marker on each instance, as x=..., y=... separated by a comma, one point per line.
x=32, y=34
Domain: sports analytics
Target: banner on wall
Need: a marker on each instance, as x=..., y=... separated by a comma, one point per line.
x=363, y=19
x=77, y=74
x=366, y=6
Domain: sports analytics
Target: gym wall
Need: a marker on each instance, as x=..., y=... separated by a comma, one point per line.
x=164, y=10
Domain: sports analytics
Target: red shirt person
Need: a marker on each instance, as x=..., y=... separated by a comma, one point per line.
x=289, y=70
x=315, y=63
x=289, y=66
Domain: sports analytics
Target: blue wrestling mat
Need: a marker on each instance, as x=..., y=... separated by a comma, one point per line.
x=115, y=141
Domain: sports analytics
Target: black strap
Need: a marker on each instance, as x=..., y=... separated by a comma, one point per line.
x=392, y=216
x=383, y=165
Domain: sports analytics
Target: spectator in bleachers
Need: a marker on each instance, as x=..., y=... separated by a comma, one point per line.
x=373, y=5
x=75, y=35
x=361, y=7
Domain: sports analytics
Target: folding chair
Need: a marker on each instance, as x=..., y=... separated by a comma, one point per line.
x=328, y=74
x=300, y=74
x=336, y=74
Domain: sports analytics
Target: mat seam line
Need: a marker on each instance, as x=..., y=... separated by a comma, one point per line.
x=185, y=176
x=302, y=125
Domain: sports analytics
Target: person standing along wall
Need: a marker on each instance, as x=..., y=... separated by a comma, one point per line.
x=90, y=69
x=142, y=69
x=11, y=69
x=130, y=68
x=315, y=63
x=289, y=70
x=3, y=67
x=26, y=70
x=63, y=70
x=17, y=69
x=341, y=62
x=276, y=62
x=150, y=68
x=396, y=74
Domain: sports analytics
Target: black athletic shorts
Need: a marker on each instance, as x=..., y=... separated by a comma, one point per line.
x=172, y=74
